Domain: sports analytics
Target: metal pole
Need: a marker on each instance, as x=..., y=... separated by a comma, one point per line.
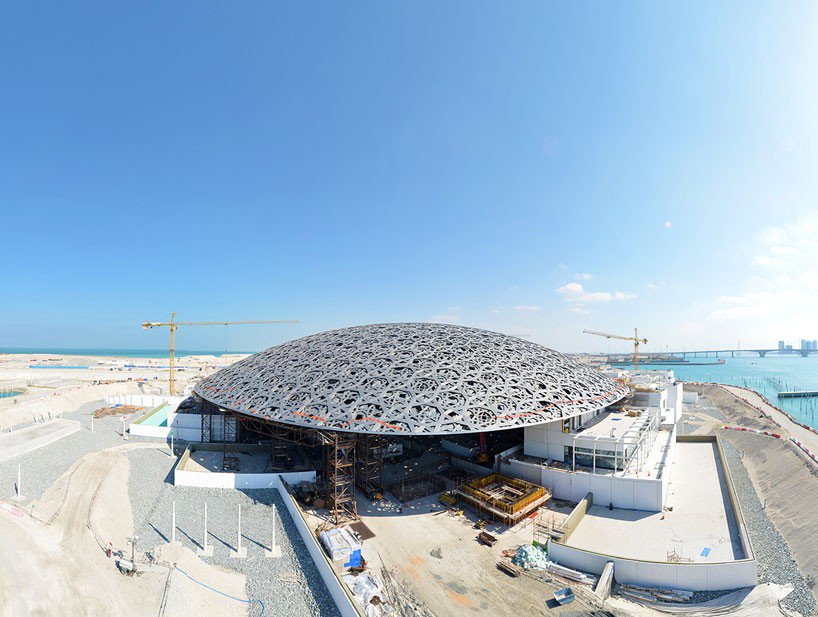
x=239, y=543
x=173, y=523
x=19, y=487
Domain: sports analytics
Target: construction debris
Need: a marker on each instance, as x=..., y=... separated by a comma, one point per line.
x=574, y=575
x=116, y=410
x=655, y=595
x=531, y=557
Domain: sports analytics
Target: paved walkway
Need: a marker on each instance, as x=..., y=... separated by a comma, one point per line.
x=35, y=436
x=808, y=438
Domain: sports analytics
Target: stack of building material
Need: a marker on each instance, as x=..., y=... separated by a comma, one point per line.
x=655, y=595
x=574, y=575
x=339, y=543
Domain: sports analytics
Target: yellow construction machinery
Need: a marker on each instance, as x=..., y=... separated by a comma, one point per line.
x=635, y=338
x=173, y=325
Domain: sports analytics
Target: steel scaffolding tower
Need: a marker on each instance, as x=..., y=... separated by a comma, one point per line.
x=369, y=464
x=339, y=475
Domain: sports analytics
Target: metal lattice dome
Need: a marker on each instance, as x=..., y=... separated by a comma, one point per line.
x=410, y=379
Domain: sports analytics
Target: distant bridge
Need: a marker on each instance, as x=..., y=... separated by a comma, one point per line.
x=715, y=353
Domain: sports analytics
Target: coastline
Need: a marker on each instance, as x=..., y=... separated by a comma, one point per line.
x=782, y=484
x=802, y=435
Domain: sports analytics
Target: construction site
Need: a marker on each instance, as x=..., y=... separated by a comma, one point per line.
x=412, y=469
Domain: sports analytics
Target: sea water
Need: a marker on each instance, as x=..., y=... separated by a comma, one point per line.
x=769, y=376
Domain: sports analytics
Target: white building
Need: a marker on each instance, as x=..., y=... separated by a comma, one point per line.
x=622, y=454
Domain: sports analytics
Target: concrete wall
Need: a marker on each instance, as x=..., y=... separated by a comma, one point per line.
x=346, y=605
x=629, y=493
x=547, y=441
x=689, y=576
x=203, y=479
x=142, y=400
x=186, y=427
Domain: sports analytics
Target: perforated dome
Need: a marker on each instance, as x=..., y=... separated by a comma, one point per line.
x=410, y=379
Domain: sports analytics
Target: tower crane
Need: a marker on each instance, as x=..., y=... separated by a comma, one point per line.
x=635, y=338
x=174, y=325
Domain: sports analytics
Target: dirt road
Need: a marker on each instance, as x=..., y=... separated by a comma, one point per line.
x=54, y=564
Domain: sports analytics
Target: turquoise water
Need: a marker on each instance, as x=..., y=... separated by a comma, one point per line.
x=10, y=393
x=160, y=418
x=769, y=376
x=120, y=353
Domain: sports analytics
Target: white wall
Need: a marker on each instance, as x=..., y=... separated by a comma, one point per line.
x=688, y=576
x=186, y=426
x=546, y=441
x=690, y=397
x=645, y=494
x=142, y=400
x=342, y=600
x=203, y=479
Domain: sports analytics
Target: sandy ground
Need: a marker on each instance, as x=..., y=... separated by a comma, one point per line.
x=783, y=478
x=54, y=564
x=438, y=559
x=50, y=391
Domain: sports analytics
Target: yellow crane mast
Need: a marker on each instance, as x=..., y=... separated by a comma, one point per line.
x=635, y=338
x=174, y=325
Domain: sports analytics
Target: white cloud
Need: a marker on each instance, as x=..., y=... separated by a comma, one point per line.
x=575, y=292
x=532, y=308
x=778, y=299
x=765, y=260
x=783, y=250
x=584, y=276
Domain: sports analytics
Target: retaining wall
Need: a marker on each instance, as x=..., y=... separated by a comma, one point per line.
x=688, y=576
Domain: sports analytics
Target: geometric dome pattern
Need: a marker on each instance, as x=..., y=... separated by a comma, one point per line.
x=410, y=379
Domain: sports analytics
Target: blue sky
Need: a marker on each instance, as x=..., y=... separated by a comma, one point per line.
x=534, y=168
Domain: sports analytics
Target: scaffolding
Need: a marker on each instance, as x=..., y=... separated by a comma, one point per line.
x=339, y=476
x=338, y=456
x=369, y=464
x=230, y=433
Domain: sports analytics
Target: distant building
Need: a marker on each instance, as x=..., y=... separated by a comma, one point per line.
x=804, y=344
x=815, y=344
x=788, y=348
x=781, y=345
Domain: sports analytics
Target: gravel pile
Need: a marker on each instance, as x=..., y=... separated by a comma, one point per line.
x=43, y=466
x=288, y=586
x=775, y=562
